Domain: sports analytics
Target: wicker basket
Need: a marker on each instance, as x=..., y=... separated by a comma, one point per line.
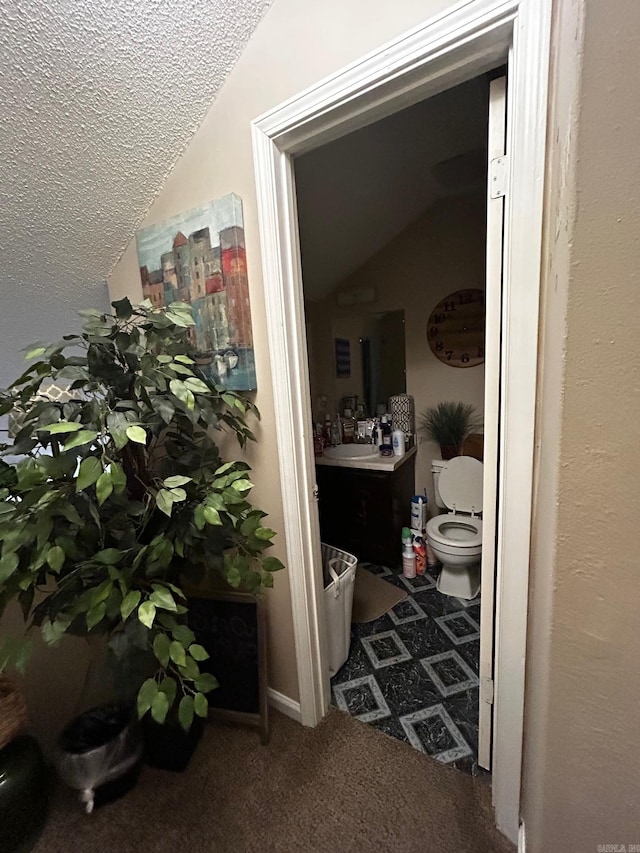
x=13, y=711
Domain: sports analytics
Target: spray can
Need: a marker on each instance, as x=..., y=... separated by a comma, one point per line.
x=418, y=512
x=420, y=550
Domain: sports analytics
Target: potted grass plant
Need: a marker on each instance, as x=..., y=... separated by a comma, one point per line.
x=120, y=497
x=448, y=424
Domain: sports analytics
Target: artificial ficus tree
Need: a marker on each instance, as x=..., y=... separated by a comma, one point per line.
x=120, y=497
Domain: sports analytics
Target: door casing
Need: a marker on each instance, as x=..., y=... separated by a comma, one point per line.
x=468, y=39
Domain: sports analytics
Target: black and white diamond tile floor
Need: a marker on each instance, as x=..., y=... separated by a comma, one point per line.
x=413, y=673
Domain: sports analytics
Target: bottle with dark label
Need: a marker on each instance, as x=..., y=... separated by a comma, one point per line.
x=386, y=447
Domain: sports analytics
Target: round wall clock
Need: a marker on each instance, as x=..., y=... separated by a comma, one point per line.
x=456, y=329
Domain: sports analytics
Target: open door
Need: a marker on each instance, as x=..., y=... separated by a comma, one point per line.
x=495, y=219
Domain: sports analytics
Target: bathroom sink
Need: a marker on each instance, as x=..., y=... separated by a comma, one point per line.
x=352, y=451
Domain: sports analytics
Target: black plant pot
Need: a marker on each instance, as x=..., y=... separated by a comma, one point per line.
x=24, y=788
x=168, y=746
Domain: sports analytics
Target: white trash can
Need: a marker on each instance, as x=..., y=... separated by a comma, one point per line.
x=339, y=575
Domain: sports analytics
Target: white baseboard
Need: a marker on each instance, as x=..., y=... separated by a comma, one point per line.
x=522, y=841
x=288, y=707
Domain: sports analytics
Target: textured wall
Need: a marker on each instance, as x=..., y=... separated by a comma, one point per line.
x=583, y=691
x=97, y=101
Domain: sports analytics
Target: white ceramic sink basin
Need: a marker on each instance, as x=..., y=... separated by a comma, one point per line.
x=352, y=451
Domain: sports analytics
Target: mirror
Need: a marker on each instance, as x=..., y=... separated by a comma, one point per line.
x=355, y=355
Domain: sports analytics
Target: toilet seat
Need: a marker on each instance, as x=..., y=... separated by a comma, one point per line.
x=459, y=532
x=460, y=485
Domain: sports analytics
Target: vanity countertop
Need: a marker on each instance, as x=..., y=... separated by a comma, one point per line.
x=368, y=463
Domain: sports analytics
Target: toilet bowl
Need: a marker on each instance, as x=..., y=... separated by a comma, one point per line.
x=456, y=537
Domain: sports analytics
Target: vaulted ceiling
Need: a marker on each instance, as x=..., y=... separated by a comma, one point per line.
x=98, y=98
x=358, y=193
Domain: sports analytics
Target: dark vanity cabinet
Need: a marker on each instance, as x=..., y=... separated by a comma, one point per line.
x=364, y=511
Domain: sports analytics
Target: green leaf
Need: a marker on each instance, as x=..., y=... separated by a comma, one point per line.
x=174, y=482
x=224, y=468
x=8, y=565
x=169, y=686
x=200, y=705
x=190, y=669
x=184, y=359
x=84, y=436
x=90, y=470
x=161, y=648
x=272, y=564
x=242, y=485
x=164, y=359
x=180, y=390
x=160, y=706
x=212, y=516
x=206, y=682
x=34, y=351
x=104, y=487
x=109, y=556
x=264, y=533
x=118, y=477
x=61, y=427
x=146, y=695
x=197, y=385
x=183, y=634
x=55, y=558
x=147, y=613
x=177, y=653
x=178, y=495
x=164, y=500
x=137, y=434
x=198, y=652
x=129, y=603
x=185, y=712
x=198, y=517
x=162, y=598
x=96, y=614
x=53, y=631
x=123, y=308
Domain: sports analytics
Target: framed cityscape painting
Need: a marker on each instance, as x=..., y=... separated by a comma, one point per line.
x=199, y=257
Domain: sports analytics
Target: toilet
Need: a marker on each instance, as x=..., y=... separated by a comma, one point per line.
x=456, y=537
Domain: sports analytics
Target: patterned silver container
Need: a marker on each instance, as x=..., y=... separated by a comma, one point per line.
x=403, y=414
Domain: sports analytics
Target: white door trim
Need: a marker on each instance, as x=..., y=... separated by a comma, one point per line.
x=492, y=377
x=470, y=38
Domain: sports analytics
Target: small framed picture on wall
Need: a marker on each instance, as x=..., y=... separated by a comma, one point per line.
x=343, y=358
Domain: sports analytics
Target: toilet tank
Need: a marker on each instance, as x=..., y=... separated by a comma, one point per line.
x=436, y=467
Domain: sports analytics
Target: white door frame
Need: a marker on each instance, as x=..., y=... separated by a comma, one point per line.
x=470, y=38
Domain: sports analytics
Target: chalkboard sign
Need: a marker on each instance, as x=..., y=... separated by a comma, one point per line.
x=232, y=628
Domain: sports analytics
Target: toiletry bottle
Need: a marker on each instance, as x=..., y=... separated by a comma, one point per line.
x=397, y=438
x=408, y=561
x=386, y=448
x=336, y=431
x=420, y=550
x=348, y=427
x=327, y=430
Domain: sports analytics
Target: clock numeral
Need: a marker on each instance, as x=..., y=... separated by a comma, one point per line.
x=449, y=306
x=480, y=352
x=449, y=354
x=439, y=346
x=465, y=297
x=433, y=331
x=439, y=318
x=464, y=358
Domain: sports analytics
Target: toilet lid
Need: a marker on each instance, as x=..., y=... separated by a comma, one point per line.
x=460, y=484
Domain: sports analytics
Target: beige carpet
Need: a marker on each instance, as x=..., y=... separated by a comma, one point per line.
x=343, y=787
x=373, y=596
